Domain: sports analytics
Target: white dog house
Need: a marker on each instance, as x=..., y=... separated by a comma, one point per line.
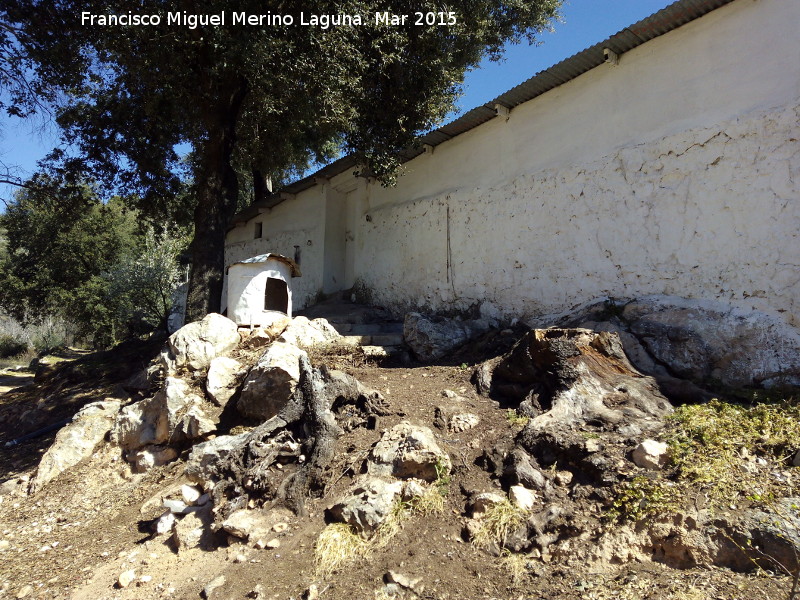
x=258, y=286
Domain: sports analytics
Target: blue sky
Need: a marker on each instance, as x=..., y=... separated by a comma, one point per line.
x=585, y=23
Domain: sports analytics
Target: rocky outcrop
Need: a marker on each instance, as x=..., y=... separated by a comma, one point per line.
x=272, y=382
x=76, y=441
x=174, y=415
x=367, y=503
x=223, y=379
x=407, y=451
x=431, y=338
x=576, y=376
x=194, y=345
x=699, y=340
x=269, y=331
x=304, y=333
x=206, y=458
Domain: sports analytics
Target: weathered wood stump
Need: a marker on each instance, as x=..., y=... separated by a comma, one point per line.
x=576, y=376
x=586, y=404
x=286, y=458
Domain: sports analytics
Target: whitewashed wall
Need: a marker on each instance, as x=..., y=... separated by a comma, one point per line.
x=301, y=223
x=675, y=172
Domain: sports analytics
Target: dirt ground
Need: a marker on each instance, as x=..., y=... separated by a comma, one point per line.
x=74, y=538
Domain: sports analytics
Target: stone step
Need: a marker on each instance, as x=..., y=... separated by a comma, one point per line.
x=383, y=339
x=368, y=328
x=383, y=351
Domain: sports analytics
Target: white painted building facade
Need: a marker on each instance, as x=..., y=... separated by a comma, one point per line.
x=675, y=171
x=258, y=286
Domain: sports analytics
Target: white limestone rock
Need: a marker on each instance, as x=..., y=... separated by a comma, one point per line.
x=151, y=456
x=462, y=422
x=173, y=415
x=165, y=523
x=212, y=586
x=407, y=451
x=367, y=503
x=193, y=530
x=306, y=334
x=205, y=456
x=650, y=454
x=189, y=532
x=269, y=331
x=195, y=345
x=190, y=494
x=482, y=502
x=701, y=340
x=522, y=497
x=272, y=382
x=247, y=524
x=126, y=578
x=431, y=338
x=223, y=378
x=76, y=441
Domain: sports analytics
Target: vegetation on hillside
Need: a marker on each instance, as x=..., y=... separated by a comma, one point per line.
x=265, y=101
x=724, y=452
x=78, y=267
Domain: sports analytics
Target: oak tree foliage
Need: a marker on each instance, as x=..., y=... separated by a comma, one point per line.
x=263, y=101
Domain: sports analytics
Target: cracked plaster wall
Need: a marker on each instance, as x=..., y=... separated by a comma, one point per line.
x=707, y=213
x=675, y=172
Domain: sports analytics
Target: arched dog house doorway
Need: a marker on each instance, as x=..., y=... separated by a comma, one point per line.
x=258, y=286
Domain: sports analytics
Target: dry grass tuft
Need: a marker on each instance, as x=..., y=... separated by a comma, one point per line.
x=497, y=523
x=516, y=565
x=429, y=503
x=337, y=545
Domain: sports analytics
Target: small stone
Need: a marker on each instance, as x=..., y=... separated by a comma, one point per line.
x=190, y=494
x=650, y=454
x=312, y=593
x=212, y=585
x=274, y=543
x=280, y=527
x=165, y=523
x=146, y=578
x=463, y=422
x=189, y=532
x=449, y=394
x=403, y=580
x=257, y=592
x=522, y=497
x=25, y=591
x=412, y=488
x=483, y=501
x=593, y=445
x=564, y=477
x=176, y=506
x=240, y=558
x=4, y=544
x=126, y=578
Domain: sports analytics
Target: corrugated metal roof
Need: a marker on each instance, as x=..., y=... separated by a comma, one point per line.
x=669, y=18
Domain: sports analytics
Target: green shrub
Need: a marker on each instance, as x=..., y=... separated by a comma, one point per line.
x=11, y=346
x=708, y=445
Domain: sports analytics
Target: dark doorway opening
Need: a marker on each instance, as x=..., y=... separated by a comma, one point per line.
x=276, y=295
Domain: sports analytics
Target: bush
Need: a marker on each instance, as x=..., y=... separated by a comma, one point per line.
x=11, y=346
x=708, y=446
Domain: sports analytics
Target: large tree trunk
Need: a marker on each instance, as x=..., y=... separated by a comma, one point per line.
x=217, y=196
